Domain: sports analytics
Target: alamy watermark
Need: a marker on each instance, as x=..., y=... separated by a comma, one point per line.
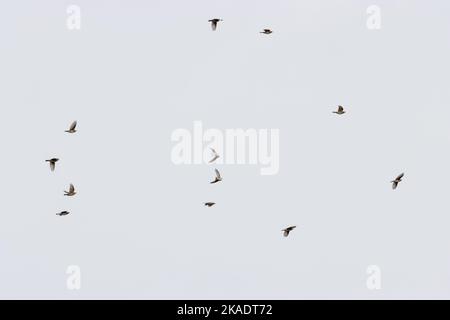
x=373, y=282
x=74, y=279
x=374, y=19
x=232, y=146
x=73, y=21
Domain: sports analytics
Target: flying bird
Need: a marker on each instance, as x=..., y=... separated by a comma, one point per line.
x=52, y=163
x=63, y=213
x=266, y=31
x=287, y=230
x=71, y=191
x=214, y=23
x=209, y=204
x=72, y=127
x=215, y=155
x=397, y=180
x=218, y=177
x=340, y=110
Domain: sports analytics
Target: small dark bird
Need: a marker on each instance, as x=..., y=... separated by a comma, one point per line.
x=214, y=23
x=63, y=213
x=287, y=230
x=397, y=180
x=72, y=127
x=340, y=110
x=218, y=177
x=71, y=191
x=215, y=155
x=209, y=204
x=52, y=163
x=266, y=31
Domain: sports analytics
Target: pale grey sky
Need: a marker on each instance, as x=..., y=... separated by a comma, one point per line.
x=137, y=70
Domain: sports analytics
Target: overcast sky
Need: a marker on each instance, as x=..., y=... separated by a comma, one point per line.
x=138, y=70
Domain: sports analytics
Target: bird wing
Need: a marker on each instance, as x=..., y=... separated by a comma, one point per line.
x=213, y=25
x=52, y=165
x=286, y=232
x=400, y=176
x=394, y=185
x=214, y=159
x=73, y=125
x=340, y=108
x=217, y=174
x=71, y=188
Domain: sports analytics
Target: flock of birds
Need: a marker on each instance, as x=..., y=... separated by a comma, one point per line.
x=340, y=111
x=53, y=161
x=218, y=178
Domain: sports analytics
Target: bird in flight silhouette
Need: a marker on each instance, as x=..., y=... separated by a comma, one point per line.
x=217, y=178
x=287, y=230
x=72, y=128
x=340, y=110
x=215, y=155
x=266, y=31
x=71, y=191
x=52, y=162
x=397, y=180
x=214, y=23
